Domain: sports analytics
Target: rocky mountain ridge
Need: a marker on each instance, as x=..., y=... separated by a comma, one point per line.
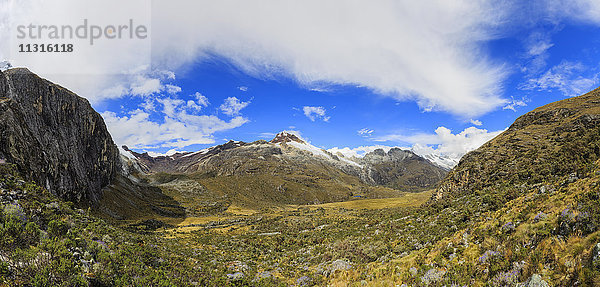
x=397, y=168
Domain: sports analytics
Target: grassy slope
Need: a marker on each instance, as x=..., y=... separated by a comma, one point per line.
x=203, y=194
x=526, y=202
x=49, y=242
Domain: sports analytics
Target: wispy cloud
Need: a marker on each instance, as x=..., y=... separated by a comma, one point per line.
x=232, y=106
x=365, y=132
x=567, y=77
x=315, y=113
x=514, y=104
x=476, y=122
x=537, y=45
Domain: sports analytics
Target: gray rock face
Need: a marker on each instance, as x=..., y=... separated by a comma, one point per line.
x=535, y=281
x=340, y=265
x=400, y=169
x=55, y=137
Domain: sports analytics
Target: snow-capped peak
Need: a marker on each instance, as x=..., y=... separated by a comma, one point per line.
x=444, y=160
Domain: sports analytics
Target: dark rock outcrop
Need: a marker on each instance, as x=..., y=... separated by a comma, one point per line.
x=284, y=137
x=55, y=137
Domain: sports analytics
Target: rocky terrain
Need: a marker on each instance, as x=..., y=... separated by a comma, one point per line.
x=55, y=137
x=400, y=169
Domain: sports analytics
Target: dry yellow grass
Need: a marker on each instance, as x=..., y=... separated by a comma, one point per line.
x=407, y=200
x=237, y=210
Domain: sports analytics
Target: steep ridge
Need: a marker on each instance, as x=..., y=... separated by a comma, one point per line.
x=523, y=208
x=557, y=140
x=55, y=137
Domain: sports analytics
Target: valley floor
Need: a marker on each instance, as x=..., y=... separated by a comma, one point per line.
x=544, y=234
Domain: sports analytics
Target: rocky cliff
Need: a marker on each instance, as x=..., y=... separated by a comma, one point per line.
x=55, y=137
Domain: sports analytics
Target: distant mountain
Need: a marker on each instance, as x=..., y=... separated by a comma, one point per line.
x=400, y=169
x=288, y=170
x=444, y=161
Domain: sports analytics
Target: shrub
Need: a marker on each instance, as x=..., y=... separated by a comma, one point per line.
x=57, y=228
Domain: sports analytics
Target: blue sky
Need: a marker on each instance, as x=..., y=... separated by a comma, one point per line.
x=448, y=75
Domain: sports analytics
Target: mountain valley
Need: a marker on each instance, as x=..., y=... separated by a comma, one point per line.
x=76, y=210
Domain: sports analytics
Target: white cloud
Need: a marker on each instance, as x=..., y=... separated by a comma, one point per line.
x=586, y=11
x=314, y=113
x=565, y=77
x=476, y=122
x=365, y=132
x=232, y=106
x=537, y=45
x=179, y=125
x=172, y=89
x=243, y=88
x=140, y=81
x=514, y=104
x=146, y=87
x=444, y=142
x=200, y=102
x=426, y=51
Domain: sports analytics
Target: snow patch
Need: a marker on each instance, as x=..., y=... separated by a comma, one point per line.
x=203, y=151
x=126, y=153
x=169, y=153
x=349, y=161
x=311, y=148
